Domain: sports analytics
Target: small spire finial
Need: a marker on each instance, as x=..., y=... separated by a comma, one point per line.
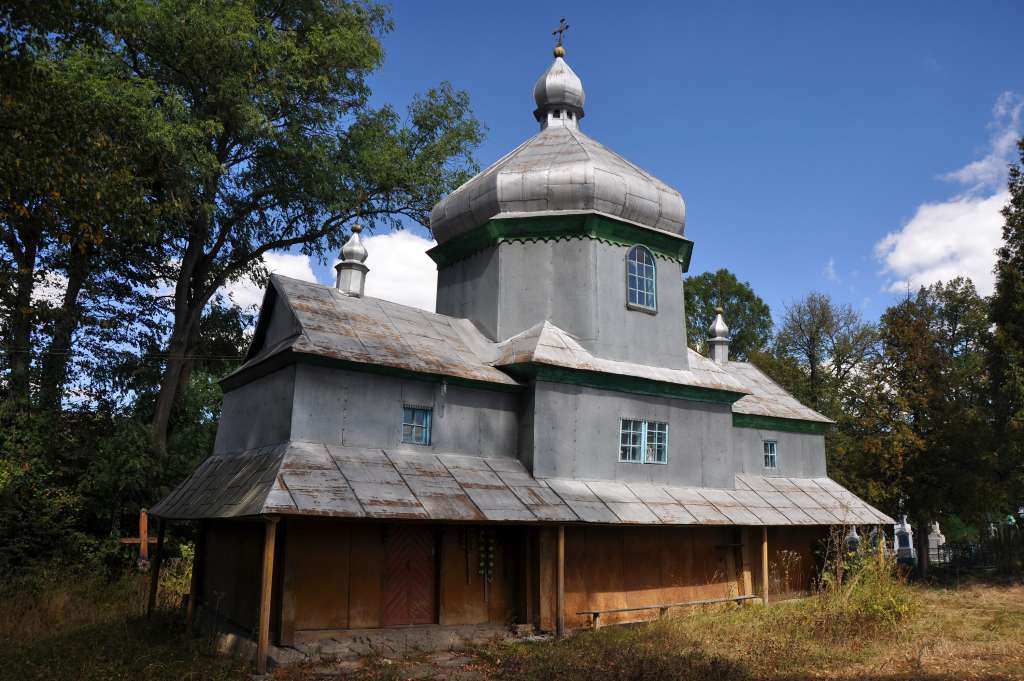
x=559, y=33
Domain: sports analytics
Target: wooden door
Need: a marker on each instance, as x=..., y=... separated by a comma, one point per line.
x=410, y=583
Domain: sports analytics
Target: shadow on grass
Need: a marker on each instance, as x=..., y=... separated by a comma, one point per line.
x=130, y=648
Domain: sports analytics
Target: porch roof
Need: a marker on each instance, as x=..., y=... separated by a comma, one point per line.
x=314, y=479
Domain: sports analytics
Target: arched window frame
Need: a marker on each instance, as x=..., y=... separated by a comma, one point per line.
x=638, y=295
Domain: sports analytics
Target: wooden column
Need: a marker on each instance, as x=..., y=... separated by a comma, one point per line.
x=266, y=589
x=527, y=576
x=143, y=535
x=764, y=564
x=196, y=585
x=154, y=583
x=560, y=584
x=747, y=535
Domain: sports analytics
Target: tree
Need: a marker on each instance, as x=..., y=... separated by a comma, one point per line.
x=78, y=139
x=828, y=342
x=283, y=150
x=1006, y=359
x=748, y=317
x=912, y=435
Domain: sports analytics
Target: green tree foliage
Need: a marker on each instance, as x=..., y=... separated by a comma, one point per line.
x=818, y=350
x=1006, y=360
x=283, y=148
x=748, y=317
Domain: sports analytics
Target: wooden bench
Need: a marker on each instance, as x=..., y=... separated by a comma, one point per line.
x=663, y=608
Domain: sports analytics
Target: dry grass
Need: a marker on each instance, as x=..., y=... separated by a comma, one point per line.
x=86, y=629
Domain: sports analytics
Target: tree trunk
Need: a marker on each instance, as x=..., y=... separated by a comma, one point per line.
x=19, y=345
x=174, y=373
x=58, y=356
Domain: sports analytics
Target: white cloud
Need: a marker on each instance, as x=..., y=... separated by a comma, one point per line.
x=400, y=269
x=245, y=293
x=990, y=170
x=959, y=237
x=943, y=241
x=830, y=270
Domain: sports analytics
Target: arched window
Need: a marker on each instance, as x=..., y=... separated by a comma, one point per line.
x=640, y=279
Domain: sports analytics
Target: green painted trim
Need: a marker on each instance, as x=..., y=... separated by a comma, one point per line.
x=286, y=357
x=777, y=423
x=556, y=227
x=623, y=384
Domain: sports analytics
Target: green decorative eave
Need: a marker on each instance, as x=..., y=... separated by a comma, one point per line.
x=569, y=226
x=621, y=383
x=781, y=424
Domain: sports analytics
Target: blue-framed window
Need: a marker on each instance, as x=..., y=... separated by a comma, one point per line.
x=640, y=279
x=642, y=441
x=416, y=425
x=771, y=455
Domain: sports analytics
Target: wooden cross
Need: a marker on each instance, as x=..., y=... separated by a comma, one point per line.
x=562, y=28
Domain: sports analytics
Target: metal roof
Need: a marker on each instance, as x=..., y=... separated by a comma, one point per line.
x=379, y=333
x=767, y=398
x=314, y=479
x=560, y=169
x=545, y=343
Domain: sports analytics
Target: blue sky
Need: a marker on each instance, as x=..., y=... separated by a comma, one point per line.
x=800, y=134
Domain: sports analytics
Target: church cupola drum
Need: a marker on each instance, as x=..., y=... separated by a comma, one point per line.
x=548, y=232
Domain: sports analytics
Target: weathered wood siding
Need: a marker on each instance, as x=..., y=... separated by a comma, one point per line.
x=334, y=575
x=231, y=571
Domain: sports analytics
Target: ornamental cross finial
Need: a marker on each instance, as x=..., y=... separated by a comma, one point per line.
x=560, y=31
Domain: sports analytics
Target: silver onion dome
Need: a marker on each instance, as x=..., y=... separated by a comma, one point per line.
x=560, y=170
x=718, y=329
x=558, y=89
x=354, y=250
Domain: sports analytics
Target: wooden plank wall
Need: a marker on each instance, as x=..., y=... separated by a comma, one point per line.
x=793, y=563
x=334, y=576
x=231, y=571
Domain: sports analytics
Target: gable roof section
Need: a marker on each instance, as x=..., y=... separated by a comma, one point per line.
x=372, y=332
x=546, y=344
x=767, y=398
x=314, y=479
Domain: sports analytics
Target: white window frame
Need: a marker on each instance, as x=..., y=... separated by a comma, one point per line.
x=641, y=278
x=770, y=449
x=427, y=428
x=645, y=433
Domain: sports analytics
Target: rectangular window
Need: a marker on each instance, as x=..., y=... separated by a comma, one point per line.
x=643, y=441
x=770, y=457
x=416, y=425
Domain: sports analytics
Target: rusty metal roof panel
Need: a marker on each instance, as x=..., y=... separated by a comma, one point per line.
x=310, y=478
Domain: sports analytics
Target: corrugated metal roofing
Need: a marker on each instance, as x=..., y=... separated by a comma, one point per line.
x=313, y=479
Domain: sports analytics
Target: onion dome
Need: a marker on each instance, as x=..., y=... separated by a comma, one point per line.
x=560, y=170
x=718, y=329
x=354, y=250
x=558, y=89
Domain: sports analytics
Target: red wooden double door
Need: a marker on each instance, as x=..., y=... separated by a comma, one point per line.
x=410, y=577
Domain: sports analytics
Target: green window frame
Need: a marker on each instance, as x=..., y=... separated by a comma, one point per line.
x=416, y=422
x=643, y=441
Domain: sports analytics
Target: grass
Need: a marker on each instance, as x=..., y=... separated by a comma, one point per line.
x=84, y=628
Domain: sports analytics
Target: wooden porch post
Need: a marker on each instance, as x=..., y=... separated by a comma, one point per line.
x=746, y=560
x=266, y=588
x=143, y=535
x=764, y=564
x=196, y=584
x=560, y=584
x=154, y=583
